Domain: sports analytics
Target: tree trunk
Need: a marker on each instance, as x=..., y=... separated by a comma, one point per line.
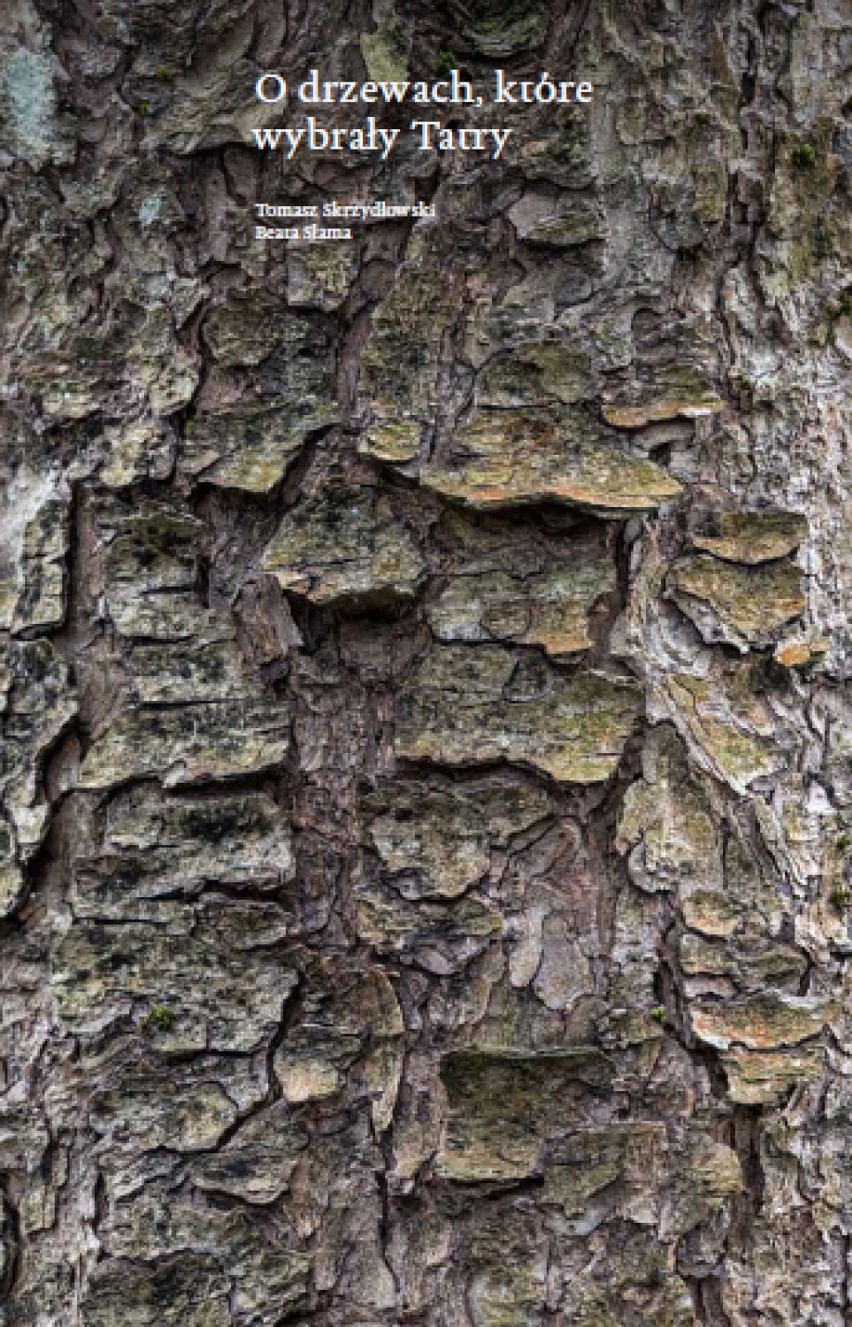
x=425, y=794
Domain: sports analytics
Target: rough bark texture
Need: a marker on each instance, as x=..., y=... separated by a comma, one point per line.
x=427, y=771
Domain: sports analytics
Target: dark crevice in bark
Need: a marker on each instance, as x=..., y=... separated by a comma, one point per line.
x=747, y=1136
x=708, y=1303
x=290, y=1015
x=10, y=1236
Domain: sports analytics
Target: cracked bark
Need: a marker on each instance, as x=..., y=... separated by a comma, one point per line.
x=425, y=802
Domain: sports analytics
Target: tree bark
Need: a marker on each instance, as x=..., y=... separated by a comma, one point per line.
x=425, y=794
